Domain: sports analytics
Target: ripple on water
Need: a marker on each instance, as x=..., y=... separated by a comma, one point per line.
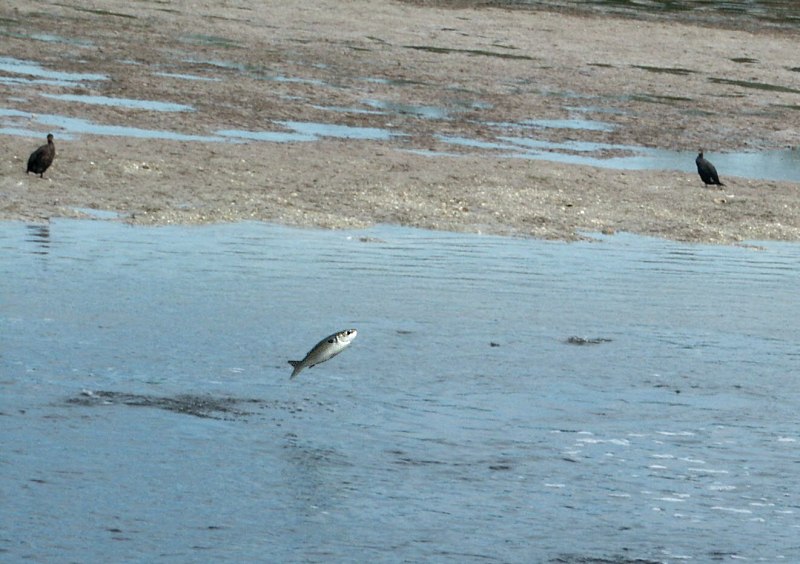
x=421, y=439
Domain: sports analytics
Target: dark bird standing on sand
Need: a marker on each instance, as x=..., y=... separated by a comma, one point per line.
x=41, y=159
x=707, y=171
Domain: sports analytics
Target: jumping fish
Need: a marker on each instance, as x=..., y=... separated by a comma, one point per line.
x=326, y=349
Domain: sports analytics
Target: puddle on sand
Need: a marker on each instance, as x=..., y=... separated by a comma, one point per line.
x=127, y=350
x=347, y=110
x=310, y=131
x=294, y=79
x=574, y=123
x=393, y=81
x=183, y=76
x=129, y=103
x=770, y=165
x=300, y=131
x=764, y=165
x=30, y=68
x=267, y=136
x=427, y=112
x=340, y=131
x=68, y=127
x=52, y=38
x=255, y=71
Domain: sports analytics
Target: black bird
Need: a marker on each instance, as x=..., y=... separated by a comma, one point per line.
x=706, y=170
x=41, y=159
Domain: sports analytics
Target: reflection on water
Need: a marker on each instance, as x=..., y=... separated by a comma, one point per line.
x=463, y=425
x=40, y=235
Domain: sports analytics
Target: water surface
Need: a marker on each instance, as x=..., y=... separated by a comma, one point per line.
x=507, y=400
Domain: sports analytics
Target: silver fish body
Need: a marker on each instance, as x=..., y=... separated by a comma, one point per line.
x=326, y=349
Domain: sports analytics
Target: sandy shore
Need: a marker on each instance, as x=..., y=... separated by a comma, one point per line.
x=418, y=72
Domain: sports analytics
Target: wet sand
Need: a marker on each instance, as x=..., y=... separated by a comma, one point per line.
x=667, y=84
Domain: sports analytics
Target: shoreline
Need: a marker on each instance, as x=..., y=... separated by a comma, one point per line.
x=420, y=73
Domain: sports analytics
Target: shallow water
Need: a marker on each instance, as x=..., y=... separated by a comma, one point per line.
x=149, y=105
x=764, y=165
x=34, y=69
x=464, y=424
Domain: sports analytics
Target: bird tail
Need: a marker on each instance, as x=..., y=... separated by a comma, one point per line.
x=298, y=366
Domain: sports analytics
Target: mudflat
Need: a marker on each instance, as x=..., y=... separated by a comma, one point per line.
x=385, y=87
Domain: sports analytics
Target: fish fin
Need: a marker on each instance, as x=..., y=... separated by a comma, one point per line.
x=297, y=364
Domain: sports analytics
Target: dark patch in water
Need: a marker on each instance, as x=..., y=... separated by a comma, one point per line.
x=409, y=461
x=199, y=406
x=745, y=60
x=577, y=559
x=205, y=406
x=500, y=467
x=586, y=341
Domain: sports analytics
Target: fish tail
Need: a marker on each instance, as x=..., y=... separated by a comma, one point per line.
x=298, y=366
